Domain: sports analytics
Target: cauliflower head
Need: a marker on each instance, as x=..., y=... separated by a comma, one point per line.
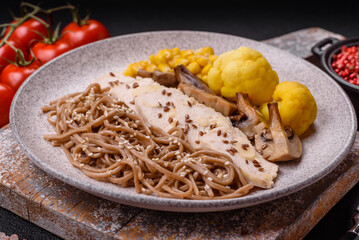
x=297, y=106
x=243, y=70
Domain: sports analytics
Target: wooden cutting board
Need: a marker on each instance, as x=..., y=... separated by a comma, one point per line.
x=73, y=214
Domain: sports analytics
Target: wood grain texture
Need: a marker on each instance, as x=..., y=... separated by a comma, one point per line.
x=73, y=214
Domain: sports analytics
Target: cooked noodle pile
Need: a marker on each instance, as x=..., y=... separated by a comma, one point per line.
x=107, y=141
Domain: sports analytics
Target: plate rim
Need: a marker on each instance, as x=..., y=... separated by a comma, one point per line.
x=179, y=205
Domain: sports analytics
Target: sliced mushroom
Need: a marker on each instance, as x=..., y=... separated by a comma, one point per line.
x=277, y=143
x=247, y=120
x=217, y=103
x=163, y=78
x=184, y=75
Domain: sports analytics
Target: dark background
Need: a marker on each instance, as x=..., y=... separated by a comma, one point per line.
x=257, y=20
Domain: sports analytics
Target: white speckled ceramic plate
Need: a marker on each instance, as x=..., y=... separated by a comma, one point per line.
x=325, y=145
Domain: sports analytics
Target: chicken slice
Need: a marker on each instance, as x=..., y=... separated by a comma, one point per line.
x=205, y=128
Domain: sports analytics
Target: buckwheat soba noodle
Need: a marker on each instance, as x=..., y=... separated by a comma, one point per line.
x=109, y=142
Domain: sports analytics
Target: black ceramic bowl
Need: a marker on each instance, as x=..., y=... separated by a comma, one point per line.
x=333, y=46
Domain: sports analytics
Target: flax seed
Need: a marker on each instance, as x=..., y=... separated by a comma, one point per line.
x=245, y=146
x=170, y=119
x=159, y=115
x=219, y=132
x=189, y=103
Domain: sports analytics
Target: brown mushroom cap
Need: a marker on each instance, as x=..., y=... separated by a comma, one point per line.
x=277, y=143
x=247, y=119
x=163, y=78
x=217, y=103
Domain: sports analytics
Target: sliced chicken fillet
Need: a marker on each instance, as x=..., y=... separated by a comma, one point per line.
x=168, y=107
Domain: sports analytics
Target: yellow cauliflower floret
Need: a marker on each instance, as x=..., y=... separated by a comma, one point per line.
x=243, y=70
x=296, y=104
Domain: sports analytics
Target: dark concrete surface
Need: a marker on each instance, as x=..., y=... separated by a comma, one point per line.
x=257, y=20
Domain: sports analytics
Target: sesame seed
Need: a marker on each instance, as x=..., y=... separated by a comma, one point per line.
x=201, y=133
x=194, y=126
x=81, y=165
x=187, y=116
x=213, y=126
x=205, y=172
x=166, y=109
x=219, y=132
x=159, y=104
x=197, y=141
x=210, y=179
x=169, y=94
x=227, y=163
x=170, y=119
x=206, y=187
x=163, y=92
x=112, y=74
x=225, y=141
x=224, y=134
x=264, y=146
x=233, y=141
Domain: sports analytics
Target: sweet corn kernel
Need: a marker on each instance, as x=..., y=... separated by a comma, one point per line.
x=152, y=59
x=143, y=63
x=212, y=58
x=164, y=54
x=206, y=68
x=185, y=53
x=205, y=51
x=180, y=61
x=175, y=51
x=202, y=60
x=204, y=78
x=129, y=72
x=151, y=68
x=164, y=67
x=191, y=57
x=194, y=67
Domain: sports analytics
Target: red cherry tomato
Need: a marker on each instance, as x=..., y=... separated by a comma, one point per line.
x=46, y=52
x=6, y=96
x=29, y=32
x=89, y=32
x=14, y=75
x=7, y=53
